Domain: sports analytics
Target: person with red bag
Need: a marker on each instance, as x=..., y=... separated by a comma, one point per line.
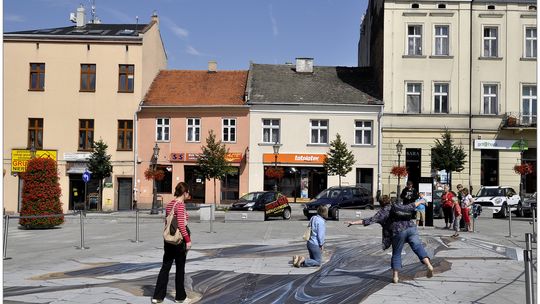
x=447, y=206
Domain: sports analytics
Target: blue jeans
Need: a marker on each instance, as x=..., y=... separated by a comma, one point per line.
x=409, y=235
x=315, y=255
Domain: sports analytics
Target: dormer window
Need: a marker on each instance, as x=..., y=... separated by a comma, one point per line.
x=491, y=7
x=532, y=7
x=415, y=5
x=441, y=5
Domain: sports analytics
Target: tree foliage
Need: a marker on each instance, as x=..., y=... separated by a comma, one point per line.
x=339, y=160
x=212, y=161
x=41, y=194
x=99, y=164
x=446, y=156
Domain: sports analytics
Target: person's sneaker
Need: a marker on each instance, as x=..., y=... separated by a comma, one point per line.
x=395, y=279
x=156, y=301
x=185, y=301
x=429, y=271
x=295, y=260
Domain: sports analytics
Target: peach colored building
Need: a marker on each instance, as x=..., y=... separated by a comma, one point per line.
x=177, y=114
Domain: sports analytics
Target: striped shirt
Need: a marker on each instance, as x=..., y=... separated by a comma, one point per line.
x=181, y=215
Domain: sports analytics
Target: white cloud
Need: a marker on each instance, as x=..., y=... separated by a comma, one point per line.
x=192, y=51
x=274, y=22
x=180, y=32
x=14, y=18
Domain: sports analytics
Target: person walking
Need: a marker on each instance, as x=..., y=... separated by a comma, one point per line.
x=457, y=216
x=176, y=253
x=409, y=193
x=316, y=240
x=397, y=232
x=447, y=205
x=421, y=210
x=466, y=202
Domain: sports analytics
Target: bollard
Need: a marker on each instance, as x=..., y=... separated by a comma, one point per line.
x=82, y=247
x=137, y=227
x=509, y=222
x=534, y=223
x=6, y=227
x=212, y=218
x=528, y=260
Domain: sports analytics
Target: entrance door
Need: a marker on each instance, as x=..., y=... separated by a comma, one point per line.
x=230, y=186
x=124, y=193
x=489, y=168
x=76, y=192
x=196, y=184
x=412, y=159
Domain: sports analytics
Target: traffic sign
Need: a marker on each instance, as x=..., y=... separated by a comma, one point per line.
x=86, y=176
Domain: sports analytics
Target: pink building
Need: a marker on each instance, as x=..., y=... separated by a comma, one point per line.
x=177, y=114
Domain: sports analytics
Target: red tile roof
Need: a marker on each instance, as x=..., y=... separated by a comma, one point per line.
x=181, y=87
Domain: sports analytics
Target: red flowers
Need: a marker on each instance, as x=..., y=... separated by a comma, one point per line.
x=399, y=171
x=524, y=169
x=156, y=174
x=276, y=173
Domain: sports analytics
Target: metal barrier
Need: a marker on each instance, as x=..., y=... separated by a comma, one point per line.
x=528, y=259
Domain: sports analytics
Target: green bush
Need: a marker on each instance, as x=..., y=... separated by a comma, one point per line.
x=41, y=194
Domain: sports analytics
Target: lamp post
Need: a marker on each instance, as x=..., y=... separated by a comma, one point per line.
x=155, y=156
x=399, y=147
x=276, y=153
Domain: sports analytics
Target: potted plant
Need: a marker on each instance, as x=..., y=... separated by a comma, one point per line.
x=399, y=171
x=523, y=169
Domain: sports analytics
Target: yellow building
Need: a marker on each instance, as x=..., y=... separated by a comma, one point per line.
x=65, y=88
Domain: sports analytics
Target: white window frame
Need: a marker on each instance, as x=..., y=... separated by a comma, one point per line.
x=318, y=128
x=532, y=117
x=438, y=95
x=164, y=127
x=490, y=95
x=413, y=93
x=496, y=39
x=441, y=38
x=532, y=41
x=273, y=128
x=362, y=129
x=191, y=127
x=226, y=125
x=414, y=37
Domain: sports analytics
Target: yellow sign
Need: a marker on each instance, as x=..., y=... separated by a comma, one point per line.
x=20, y=158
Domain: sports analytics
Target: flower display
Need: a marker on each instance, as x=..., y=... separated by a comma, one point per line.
x=399, y=171
x=276, y=173
x=156, y=174
x=523, y=169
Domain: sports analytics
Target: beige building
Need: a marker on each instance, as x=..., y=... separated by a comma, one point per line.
x=67, y=87
x=466, y=66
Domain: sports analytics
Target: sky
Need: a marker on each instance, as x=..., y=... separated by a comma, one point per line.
x=232, y=32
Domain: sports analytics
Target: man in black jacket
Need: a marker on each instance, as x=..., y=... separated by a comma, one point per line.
x=409, y=194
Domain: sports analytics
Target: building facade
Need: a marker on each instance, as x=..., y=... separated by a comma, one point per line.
x=177, y=114
x=299, y=109
x=468, y=66
x=65, y=88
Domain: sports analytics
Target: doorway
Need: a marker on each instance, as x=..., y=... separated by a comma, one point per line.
x=489, y=168
x=125, y=193
x=196, y=184
x=413, y=159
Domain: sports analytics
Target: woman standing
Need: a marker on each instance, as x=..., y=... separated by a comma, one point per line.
x=316, y=240
x=397, y=232
x=176, y=253
x=466, y=202
x=447, y=206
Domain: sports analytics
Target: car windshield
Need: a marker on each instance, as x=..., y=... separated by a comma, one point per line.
x=252, y=196
x=491, y=192
x=329, y=193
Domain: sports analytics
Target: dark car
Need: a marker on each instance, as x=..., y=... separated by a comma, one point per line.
x=437, y=203
x=529, y=203
x=271, y=202
x=336, y=198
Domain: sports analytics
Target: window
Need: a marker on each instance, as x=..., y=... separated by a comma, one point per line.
x=490, y=41
x=125, y=135
x=363, y=132
x=86, y=134
x=414, y=40
x=165, y=185
x=37, y=76
x=88, y=77
x=528, y=104
x=414, y=97
x=319, y=131
x=193, y=129
x=441, y=40
x=530, y=42
x=490, y=98
x=126, y=77
x=440, y=97
x=270, y=130
x=229, y=129
x=441, y=5
x=35, y=133
x=162, y=129
x=415, y=5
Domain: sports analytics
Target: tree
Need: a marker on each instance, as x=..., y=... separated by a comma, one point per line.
x=446, y=156
x=99, y=164
x=212, y=162
x=41, y=194
x=339, y=160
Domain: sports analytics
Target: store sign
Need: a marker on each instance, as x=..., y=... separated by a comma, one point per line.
x=76, y=156
x=232, y=157
x=20, y=158
x=499, y=144
x=295, y=158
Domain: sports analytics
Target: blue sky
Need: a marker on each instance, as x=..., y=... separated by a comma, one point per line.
x=233, y=32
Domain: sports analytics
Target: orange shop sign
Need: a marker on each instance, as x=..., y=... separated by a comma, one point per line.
x=192, y=157
x=295, y=158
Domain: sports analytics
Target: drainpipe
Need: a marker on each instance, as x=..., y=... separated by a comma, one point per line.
x=136, y=190
x=379, y=154
x=470, y=92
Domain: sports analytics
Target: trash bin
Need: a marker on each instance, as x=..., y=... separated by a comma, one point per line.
x=93, y=201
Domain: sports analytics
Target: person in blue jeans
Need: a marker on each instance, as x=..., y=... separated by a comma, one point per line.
x=316, y=240
x=396, y=233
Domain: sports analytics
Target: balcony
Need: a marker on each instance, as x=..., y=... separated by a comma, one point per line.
x=518, y=120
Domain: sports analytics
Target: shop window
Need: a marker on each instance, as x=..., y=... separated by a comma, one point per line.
x=364, y=178
x=165, y=185
x=230, y=185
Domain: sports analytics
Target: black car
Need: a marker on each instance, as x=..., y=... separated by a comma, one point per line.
x=271, y=202
x=336, y=198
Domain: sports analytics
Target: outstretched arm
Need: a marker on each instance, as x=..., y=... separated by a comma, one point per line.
x=350, y=223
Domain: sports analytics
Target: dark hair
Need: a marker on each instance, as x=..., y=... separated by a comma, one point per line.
x=180, y=189
x=385, y=200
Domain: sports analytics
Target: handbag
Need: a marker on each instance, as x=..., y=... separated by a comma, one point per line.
x=307, y=232
x=171, y=233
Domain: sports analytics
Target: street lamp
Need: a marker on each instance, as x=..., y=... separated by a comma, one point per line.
x=155, y=156
x=399, y=148
x=32, y=150
x=276, y=153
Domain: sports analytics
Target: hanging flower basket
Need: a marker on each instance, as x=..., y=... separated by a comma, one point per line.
x=276, y=173
x=399, y=171
x=157, y=174
x=523, y=169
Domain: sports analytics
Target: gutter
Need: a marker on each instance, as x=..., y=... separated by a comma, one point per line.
x=379, y=153
x=135, y=151
x=470, y=92
x=194, y=106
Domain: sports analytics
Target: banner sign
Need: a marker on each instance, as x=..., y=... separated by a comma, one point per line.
x=295, y=158
x=499, y=144
x=20, y=158
x=233, y=157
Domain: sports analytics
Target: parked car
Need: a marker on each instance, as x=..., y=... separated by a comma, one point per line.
x=271, y=202
x=529, y=204
x=437, y=204
x=500, y=199
x=336, y=198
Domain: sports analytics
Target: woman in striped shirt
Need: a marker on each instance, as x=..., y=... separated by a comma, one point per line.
x=176, y=253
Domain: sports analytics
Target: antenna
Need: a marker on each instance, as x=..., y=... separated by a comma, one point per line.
x=93, y=10
x=136, y=22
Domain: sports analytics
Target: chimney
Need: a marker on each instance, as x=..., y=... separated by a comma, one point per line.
x=212, y=66
x=81, y=17
x=304, y=65
x=155, y=17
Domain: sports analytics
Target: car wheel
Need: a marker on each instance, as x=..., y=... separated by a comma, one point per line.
x=287, y=214
x=371, y=207
x=334, y=214
x=504, y=211
x=519, y=211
